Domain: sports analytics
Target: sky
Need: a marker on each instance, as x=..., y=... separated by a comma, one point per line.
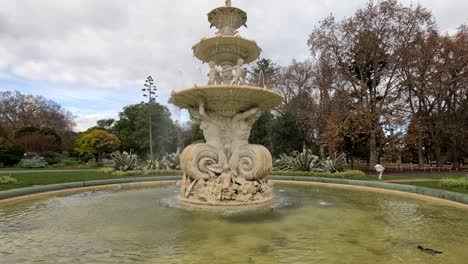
x=93, y=56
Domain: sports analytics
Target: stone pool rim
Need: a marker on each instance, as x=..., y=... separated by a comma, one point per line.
x=435, y=195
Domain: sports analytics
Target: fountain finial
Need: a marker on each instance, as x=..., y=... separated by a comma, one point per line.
x=228, y=3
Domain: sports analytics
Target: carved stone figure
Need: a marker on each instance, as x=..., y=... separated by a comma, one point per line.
x=239, y=73
x=214, y=76
x=211, y=124
x=241, y=124
x=228, y=3
x=224, y=181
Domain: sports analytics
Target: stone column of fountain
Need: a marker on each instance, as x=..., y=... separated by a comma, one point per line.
x=226, y=170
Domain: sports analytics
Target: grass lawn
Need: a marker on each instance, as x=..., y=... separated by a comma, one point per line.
x=435, y=185
x=48, y=168
x=44, y=178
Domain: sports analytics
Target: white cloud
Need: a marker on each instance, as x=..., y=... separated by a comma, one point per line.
x=86, y=121
x=96, y=54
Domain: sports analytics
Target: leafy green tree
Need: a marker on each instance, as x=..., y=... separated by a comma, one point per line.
x=96, y=142
x=106, y=124
x=285, y=135
x=264, y=73
x=132, y=128
x=10, y=155
x=261, y=131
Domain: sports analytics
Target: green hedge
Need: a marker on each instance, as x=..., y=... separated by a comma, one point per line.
x=117, y=173
x=343, y=175
x=454, y=183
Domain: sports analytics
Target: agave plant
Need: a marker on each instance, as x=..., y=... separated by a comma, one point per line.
x=152, y=164
x=284, y=163
x=299, y=161
x=124, y=161
x=166, y=162
x=305, y=161
x=335, y=164
x=171, y=161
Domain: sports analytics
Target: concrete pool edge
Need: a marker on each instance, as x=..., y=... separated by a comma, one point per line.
x=397, y=189
x=39, y=190
x=446, y=197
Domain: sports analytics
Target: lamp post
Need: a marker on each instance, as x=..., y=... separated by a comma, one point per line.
x=150, y=92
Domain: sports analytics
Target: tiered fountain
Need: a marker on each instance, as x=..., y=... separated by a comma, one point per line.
x=226, y=170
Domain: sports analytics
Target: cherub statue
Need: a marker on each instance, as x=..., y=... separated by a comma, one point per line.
x=228, y=3
x=214, y=74
x=225, y=180
x=239, y=75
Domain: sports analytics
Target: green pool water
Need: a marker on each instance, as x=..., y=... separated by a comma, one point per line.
x=307, y=224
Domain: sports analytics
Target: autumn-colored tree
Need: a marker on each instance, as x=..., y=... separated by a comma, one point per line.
x=294, y=79
x=452, y=94
x=18, y=111
x=96, y=142
x=34, y=139
x=419, y=73
x=367, y=51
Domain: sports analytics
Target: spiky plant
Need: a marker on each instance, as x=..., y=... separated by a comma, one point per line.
x=305, y=160
x=299, y=161
x=124, y=161
x=335, y=164
x=152, y=164
x=284, y=163
x=170, y=161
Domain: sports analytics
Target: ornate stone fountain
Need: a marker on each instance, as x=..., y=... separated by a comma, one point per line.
x=226, y=170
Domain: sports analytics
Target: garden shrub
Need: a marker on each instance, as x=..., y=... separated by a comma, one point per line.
x=69, y=162
x=94, y=164
x=7, y=180
x=33, y=162
x=454, y=183
x=10, y=155
x=52, y=157
x=118, y=173
x=106, y=170
x=343, y=175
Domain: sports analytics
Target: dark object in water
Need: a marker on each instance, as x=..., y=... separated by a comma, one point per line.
x=429, y=251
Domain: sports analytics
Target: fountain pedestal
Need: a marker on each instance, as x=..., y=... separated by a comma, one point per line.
x=226, y=170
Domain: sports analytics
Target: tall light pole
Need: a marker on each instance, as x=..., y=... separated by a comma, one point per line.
x=150, y=92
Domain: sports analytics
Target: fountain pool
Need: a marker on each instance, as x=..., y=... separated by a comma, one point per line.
x=306, y=224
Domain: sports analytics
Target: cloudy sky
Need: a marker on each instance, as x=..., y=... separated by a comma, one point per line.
x=92, y=56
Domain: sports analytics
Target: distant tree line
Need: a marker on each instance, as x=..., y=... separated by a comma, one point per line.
x=384, y=85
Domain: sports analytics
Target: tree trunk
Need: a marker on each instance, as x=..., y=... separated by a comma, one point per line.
x=455, y=159
x=437, y=154
x=420, y=149
x=373, y=147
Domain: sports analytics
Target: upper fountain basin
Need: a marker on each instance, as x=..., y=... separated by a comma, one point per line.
x=225, y=49
x=227, y=16
x=228, y=99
